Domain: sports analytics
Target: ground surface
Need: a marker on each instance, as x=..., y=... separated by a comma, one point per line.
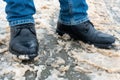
x=61, y=58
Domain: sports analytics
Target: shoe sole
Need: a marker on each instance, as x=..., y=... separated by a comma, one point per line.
x=104, y=46
x=24, y=56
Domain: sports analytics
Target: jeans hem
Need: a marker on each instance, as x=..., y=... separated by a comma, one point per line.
x=73, y=22
x=18, y=22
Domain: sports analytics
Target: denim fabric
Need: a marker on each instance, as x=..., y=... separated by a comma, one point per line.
x=20, y=11
x=72, y=12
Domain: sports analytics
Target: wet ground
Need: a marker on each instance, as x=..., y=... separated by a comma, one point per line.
x=59, y=57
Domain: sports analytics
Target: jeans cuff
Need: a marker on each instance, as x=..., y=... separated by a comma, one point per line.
x=23, y=21
x=73, y=22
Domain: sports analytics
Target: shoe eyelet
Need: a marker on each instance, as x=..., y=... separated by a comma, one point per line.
x=86, y=30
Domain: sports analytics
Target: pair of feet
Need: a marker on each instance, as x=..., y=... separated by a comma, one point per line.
x=24, y=42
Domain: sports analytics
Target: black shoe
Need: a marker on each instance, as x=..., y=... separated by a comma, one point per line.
x=23, y=41
x=86, y=33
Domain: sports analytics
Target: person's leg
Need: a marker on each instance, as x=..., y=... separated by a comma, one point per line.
x=74, y=21
x=73, y=11
x=23, y=42
x=19, y=11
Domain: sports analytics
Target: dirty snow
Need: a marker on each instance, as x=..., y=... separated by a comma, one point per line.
x=59, y=57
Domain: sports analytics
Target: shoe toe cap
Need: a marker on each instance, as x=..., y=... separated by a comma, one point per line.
x=106, y=38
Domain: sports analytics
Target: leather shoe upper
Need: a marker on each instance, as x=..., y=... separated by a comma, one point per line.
x=23, y=40
x=86, y=32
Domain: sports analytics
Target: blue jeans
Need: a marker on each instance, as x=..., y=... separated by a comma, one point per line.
x=72, y=12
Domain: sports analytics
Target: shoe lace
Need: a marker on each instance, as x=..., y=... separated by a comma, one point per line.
x=87, y=24
x=19, y=28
